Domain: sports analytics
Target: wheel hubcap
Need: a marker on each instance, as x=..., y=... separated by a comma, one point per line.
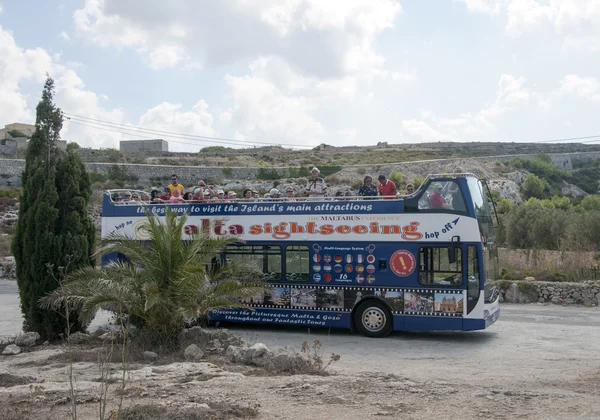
x=373, y=319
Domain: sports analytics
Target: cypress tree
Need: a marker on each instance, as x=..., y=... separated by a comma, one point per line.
x=53, y=226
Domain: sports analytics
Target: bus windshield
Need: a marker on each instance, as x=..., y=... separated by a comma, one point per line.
x=488, y=237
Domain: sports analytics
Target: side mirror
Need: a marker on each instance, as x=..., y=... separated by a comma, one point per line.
x=452, y=249
x=452, y=254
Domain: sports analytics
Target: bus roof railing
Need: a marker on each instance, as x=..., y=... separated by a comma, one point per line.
x=429, y=177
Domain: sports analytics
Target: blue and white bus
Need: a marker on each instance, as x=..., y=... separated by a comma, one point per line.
x=413, y=263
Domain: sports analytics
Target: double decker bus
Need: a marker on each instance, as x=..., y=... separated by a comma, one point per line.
x=414, y=263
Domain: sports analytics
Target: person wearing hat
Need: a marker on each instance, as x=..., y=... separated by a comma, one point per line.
x=316, y=185
x=275, y=194
x=387, y=188
x=220, y=196
x=231, y=196
x=436, y=199
x=289, y=194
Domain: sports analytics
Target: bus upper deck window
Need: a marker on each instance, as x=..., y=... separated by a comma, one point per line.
x=442, y=195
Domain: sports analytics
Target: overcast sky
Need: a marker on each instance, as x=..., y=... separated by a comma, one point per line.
x=304, y=72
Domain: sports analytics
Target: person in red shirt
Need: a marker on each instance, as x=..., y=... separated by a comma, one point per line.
x=386, y=187
x=436, y=199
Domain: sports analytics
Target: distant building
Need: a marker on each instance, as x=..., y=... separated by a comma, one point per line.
x=27, y=129
x=143, y=146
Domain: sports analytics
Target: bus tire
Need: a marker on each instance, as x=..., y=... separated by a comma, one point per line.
x=373, y=319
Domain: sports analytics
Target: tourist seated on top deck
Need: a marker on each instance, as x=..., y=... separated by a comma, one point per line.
x=248, y=195
x=176, y=198
x=367, y=189
x=116, y=197
x=436, y=199
x=220, y=197
x=316, y=186
x=410, y=189
x=275, y=194
x=231, y=196
x=175, y=185
x=155, y=196
x=166, y=195
x=289, y=194
x=200, y=197
x=206, y=187
x=387, y=188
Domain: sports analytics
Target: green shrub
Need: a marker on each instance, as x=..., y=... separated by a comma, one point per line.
x=227, y=171
x=397, y=178
x=267, y=174
x=96, y=177
x=118, y=173
x=418, y=181
x=214, y=149
x=10, y=192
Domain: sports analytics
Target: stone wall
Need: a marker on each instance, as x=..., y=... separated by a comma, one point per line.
x=11, y=169
x=584, y=293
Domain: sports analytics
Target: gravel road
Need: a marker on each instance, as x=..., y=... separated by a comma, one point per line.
x=527, y=343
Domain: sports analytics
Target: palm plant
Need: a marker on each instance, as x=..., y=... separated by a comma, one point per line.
x=164, y=281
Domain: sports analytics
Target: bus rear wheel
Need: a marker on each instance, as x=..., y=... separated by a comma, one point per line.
x=373, y=319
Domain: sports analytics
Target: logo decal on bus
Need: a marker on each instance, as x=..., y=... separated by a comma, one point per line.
x=403, y=263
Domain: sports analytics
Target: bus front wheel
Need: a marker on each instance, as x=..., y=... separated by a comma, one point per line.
x=373, y=319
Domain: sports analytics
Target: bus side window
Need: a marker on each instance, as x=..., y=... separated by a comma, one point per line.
x=297, y=263
x=264, y=260
x=435, y=267
x=472, y=278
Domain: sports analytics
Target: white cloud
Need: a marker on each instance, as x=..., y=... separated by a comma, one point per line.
x=17, y=67
x=510, y=96
x=483, y=6
x=20, y=66
x=170, y=117
x=72, y=96
x=583, y=87
x=324, y=38
x=275, y=103
x=576, y=21
x=270, y=111
x=65, y=36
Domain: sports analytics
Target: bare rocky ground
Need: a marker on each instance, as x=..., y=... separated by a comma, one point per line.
x=537, y=362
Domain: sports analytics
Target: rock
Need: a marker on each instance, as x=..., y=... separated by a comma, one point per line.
x=11, y=350
x=235, y=353
x=215, y=345
x=193, y=353
x=27, y=339
x=109, y=336
x=529, y=278
x=196, y=335
x=257, y=354
x=150, y=356
x=79, y=337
